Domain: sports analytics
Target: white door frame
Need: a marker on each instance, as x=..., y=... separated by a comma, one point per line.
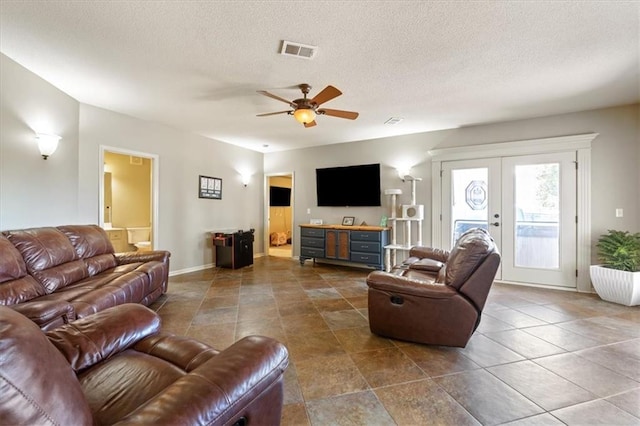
x=267, y=238
x=579, y=143
x=155, y=187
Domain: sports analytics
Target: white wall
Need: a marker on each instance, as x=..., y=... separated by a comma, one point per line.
x=184, y=220
x=615, y=171
x=65, y=188
x=35, y=192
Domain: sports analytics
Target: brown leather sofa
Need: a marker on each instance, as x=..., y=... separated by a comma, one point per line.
x=435, y=297
x=54, y=275
x=115, y=367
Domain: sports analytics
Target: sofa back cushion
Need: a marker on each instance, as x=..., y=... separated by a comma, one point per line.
x=49, y=256
x=16, y=285
x=37, y=383
x=91, y=244
x=470, y=251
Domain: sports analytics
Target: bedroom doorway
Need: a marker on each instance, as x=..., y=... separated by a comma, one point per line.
x=279, y=190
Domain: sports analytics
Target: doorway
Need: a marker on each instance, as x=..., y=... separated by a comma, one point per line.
x=129, y=199
x=580, y=147
x=526, y=203
x=279, y=200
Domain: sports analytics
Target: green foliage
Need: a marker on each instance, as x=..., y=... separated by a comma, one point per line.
x=620, y=250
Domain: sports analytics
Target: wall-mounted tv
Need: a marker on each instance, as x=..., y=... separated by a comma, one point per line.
x=279, y=196
x=352, y=186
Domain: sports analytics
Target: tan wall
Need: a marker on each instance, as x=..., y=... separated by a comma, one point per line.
x=130, y=190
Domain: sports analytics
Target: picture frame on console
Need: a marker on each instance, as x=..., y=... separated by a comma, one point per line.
x=348, y=220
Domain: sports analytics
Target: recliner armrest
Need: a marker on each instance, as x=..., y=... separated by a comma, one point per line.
x=142, y=256
x=46, y=312
x=430, y=253
x=392, y=283
x=92, y=339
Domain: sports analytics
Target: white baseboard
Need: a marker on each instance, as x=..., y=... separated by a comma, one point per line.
x=202, y=267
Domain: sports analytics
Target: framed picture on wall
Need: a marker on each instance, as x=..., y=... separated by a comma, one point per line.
x=209, y=187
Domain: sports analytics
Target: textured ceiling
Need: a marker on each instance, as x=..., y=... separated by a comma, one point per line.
x=196, y=65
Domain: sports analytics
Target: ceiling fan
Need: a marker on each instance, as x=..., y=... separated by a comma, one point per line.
x=305, y=110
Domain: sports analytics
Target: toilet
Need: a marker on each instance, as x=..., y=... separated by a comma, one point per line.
x=140, y=238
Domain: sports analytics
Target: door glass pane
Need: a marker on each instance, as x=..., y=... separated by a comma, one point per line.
x=537, y=213
x=469, y=200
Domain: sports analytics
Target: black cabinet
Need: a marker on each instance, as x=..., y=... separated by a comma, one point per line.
x=234, y=250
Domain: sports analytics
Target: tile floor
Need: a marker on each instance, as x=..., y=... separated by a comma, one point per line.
x=539, y=357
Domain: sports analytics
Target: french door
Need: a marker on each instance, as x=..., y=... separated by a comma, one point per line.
x=528, y=205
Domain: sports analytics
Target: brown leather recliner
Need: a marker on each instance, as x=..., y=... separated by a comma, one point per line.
x=435, y=297
x=115, y=367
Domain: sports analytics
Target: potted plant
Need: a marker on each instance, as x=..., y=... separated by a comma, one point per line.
x=617, y=279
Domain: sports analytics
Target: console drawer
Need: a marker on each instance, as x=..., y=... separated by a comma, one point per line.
x=365, y=236
x=311, y=232
x=312, y=242
x=311, y=252
x=361, y=246
x=368, y=258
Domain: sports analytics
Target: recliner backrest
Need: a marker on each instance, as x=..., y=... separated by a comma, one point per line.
x=92, y=245
x=469, y=252
x=49, y=256
x=37, y=384
x=16, y=286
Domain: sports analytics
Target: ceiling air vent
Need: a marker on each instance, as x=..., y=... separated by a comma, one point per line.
x=393, y=120
x=305, y=51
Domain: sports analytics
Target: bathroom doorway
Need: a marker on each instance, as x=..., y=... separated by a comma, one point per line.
x=279, y=200
x=128, y=199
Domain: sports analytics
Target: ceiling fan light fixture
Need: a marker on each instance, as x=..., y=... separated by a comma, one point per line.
x=304, y=115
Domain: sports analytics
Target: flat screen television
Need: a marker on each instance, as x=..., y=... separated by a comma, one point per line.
x=279, y=196
x=352, y=186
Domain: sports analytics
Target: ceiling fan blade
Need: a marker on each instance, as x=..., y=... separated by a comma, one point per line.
x=272, y=113
x=326, y=95
x=313, y=123
x=278, y=98
x=351, y=115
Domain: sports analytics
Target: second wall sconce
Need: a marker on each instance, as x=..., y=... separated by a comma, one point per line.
x=47, y=144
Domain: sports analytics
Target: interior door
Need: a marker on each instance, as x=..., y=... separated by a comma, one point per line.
x=528, y=205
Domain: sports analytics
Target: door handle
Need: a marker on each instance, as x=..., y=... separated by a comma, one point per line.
x=495, y=224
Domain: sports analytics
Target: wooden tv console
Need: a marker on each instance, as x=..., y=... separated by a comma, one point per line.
x=358, y=244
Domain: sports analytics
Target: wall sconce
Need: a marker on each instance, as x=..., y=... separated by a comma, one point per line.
x=403, y=171
x=47, y=144
x=245, y=179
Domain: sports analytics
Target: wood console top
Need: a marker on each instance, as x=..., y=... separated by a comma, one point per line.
x=352, y=228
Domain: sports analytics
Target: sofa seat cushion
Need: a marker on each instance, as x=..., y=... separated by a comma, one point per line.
x=117, y=388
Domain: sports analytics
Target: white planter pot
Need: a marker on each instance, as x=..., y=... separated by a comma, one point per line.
x=616, y=286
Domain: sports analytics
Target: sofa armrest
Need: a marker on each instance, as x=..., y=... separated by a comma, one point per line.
x=396, y=284
x=220, y=388
x=46, y=312
x=430, y=253
x=142, y=256
x=92, y=339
